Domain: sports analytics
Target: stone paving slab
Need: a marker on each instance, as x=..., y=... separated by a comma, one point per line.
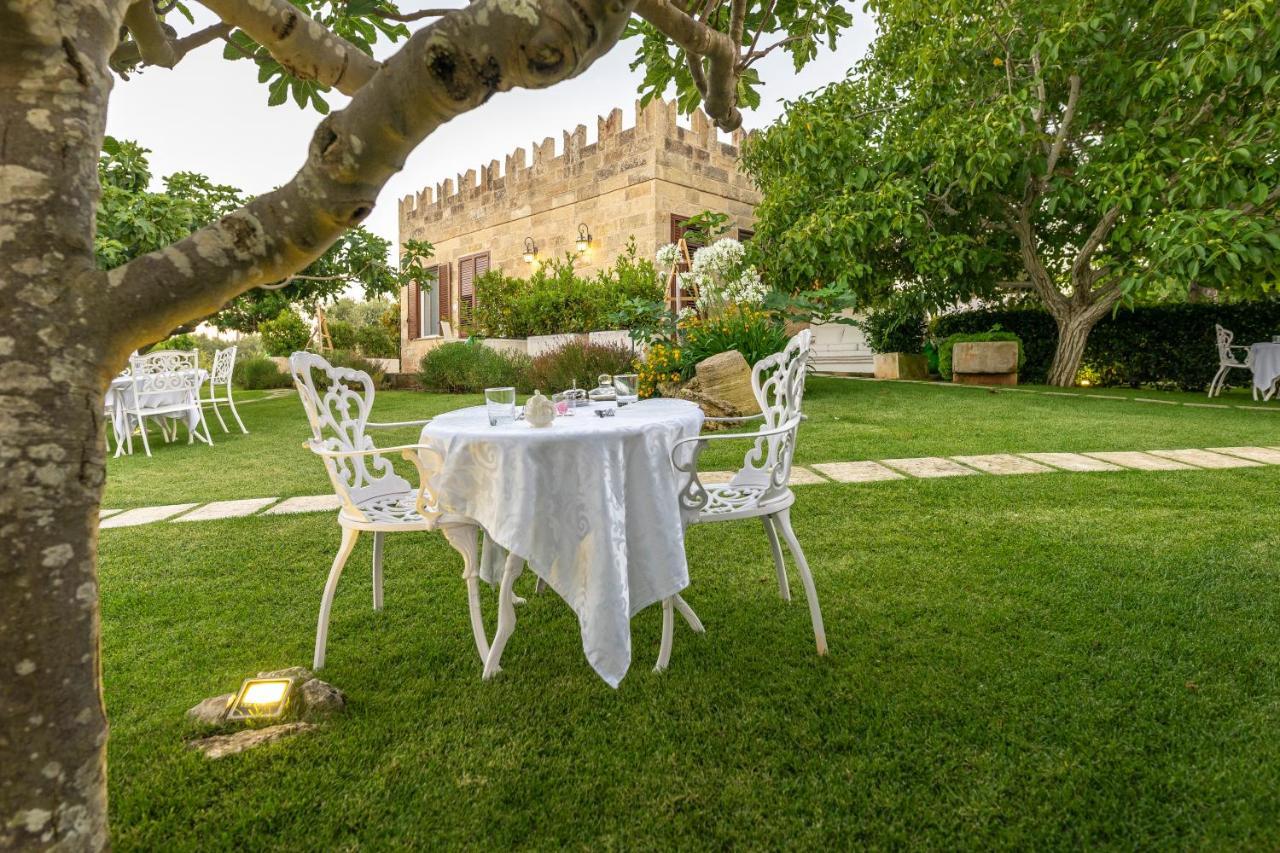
x=1140, y=461
x=144, y=515
x=929, y=466
x=307, y=503
x=1072, y=462
x=1003, y=463
x=227, y=509
x=804, y=477
x=715, y=478
x=1265, y=455
x=1207, y=405
x=857, y=472
x=107, y=513
x=1206, y=459
x=1150, y=400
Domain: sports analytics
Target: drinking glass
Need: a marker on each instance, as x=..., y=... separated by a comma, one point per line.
x=501, y=405
x=564, y=402
x=628, y=387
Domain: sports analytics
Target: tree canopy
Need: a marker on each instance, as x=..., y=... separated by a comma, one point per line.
x=1098, y=150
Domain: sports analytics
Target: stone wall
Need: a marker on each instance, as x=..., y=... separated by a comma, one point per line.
x=627, y=183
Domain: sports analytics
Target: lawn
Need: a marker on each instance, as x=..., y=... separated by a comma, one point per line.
x=1059, y=660
x=848, y=419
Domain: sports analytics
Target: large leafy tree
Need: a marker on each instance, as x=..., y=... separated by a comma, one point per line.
x=133, y=220
x=67, y=325
x=1094, y=150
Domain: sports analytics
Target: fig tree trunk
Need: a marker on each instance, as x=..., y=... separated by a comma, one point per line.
x=53, y=370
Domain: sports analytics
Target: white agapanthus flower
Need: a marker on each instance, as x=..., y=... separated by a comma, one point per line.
x=666, y=257
x=723, y=279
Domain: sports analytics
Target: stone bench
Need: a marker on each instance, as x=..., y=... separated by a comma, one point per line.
x=985, y=363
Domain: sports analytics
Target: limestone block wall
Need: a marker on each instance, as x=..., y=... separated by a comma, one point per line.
x=626, y=184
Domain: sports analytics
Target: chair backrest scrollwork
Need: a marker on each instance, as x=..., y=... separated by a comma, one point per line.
x=163, y=373
x=337, y=413
x=224, y=363
x=1224, y=336
x=778, y=382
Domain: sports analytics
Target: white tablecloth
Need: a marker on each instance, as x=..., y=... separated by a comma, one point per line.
x=1266, y=366
x=121, y=396
x=589, y=502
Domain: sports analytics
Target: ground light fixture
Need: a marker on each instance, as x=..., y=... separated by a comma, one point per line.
x=260, y=699
x=530, y=250
x=584, y=238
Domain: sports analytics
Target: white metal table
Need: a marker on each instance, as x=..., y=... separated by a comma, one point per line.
x=1265, y=364
x=590, y=503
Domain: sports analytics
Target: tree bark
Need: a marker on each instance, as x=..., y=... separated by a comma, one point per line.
x=54, y=85
x=1073, y=335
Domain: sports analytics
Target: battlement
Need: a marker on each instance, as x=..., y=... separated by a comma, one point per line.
x=657, y=119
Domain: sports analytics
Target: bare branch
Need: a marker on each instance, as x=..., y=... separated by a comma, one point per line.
x=149, y=35
x=1064, y=128
x=764, y=22
x=410, y=17
x=1249, y=208
x=299, y=42
x=1082, y=277
x=126, y=56
x=444, y=70
x=698, y=38
x=755, y=55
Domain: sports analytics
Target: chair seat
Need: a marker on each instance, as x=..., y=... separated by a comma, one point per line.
x=726, y=501
x=394, y=509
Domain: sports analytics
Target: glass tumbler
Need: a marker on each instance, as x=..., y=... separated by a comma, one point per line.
x=501, y=405
x=627, y=386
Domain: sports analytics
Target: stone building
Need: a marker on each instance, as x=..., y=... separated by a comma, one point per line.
x=638, y=182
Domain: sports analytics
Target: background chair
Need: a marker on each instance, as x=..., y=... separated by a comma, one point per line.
x=164, y=384
x=1227, y=361
x=760, y=488
x=224, y=362
x=374, y=497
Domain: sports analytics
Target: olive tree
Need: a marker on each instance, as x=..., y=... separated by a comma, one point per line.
x=1092, y=150
x=67, y=325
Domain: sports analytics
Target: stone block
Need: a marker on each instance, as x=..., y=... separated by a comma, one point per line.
x=857, y=472
x=929, y=467
x=900, y=365
x=727, y=376
x=991, y=362
x=1205, y=459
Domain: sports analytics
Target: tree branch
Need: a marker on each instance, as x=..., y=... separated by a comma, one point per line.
x=1081, y=272
x=737, y=21
x=1064, y=126
x=755, y=37
x=149, y=35
x=721, y=54
x=410, y=17
x=127, y=55
x=299, y=43
x=444, y=70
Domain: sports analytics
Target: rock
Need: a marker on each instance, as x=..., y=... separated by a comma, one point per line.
x=320, y=699
x=212, y=711
x=218, y=746
x=727, y=376
x=985, y=363
x=296, y=674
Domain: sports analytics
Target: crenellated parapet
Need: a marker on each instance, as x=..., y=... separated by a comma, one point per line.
x=518, y=176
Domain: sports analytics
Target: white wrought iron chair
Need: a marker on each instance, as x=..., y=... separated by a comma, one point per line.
x=1227, y=361
x=224, y=363
x=759, y=488
x=164, y=384
x=374, y=497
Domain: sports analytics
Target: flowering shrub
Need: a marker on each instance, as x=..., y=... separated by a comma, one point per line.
x=753, y=332
x=720, y=273
x=661, y=364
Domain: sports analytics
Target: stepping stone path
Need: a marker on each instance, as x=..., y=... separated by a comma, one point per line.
x=1003, y=463
x=929, y=466
x=861, y=471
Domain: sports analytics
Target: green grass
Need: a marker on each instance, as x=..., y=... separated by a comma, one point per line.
x=848, y=419
x=1045, y=661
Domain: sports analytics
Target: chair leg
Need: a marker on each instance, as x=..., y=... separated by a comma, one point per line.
x=218, y=412
x=668, y=629
x=784, y=588
x=463, y=539
x=128, y=434
x=815, y=613
x=377, y=569
x=1214, y=390
x=232, y=404
x=506, y=615
x=349, y=537
x=142, y=428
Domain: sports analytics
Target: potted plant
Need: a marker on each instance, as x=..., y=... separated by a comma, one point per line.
x=895, y=333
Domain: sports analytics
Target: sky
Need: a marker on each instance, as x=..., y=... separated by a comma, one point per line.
x=210, y=115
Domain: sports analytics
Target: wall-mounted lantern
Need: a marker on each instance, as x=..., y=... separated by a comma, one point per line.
x=530, y=250
x=584, y=238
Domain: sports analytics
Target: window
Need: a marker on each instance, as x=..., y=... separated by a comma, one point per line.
x=427, y=303
x=469, y=269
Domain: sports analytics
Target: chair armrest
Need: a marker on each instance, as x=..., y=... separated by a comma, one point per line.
x=318, y=449
x=743, y=419
x=427, y=504
x=692, y=495
x=728, y=436
x=392, y=424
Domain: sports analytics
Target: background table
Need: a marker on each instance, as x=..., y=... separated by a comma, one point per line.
x=121, y=395
x=1266, y=367
x=589, y=502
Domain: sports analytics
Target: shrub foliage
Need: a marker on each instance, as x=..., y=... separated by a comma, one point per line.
x=463, y=367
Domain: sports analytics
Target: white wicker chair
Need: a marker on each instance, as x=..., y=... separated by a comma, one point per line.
x=164, y=384
x=1228, y=361
x=224, y=363
x=759, y=489
x=374, y=497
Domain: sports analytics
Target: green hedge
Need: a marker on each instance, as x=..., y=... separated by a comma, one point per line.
x=945, y=348
x=1166, y=346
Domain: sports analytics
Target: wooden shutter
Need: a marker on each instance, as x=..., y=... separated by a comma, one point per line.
x=446, y=294
x=413, y=312
x=469, y=269
x=745, y=234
